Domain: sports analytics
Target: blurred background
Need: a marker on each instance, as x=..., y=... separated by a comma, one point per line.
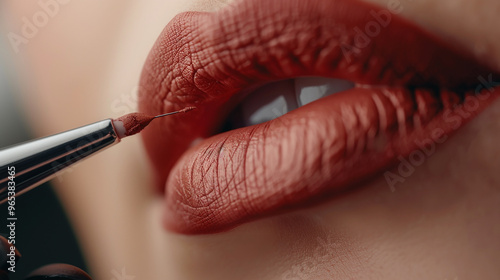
x=43, y=233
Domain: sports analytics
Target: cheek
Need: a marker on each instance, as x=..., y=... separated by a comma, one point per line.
x=470, y=25
x=206, y=5
x=297, y=245
x=470, y=159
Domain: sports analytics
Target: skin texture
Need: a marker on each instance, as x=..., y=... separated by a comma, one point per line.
x=440, y=223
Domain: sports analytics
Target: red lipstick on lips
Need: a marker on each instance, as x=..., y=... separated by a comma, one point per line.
x=409, y=86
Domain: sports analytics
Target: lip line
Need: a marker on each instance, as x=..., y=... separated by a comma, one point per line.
x=215, y=104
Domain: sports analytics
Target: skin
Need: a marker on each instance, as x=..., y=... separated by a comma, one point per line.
x=440, y=223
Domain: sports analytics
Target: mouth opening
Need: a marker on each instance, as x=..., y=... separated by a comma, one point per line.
x=275, y=99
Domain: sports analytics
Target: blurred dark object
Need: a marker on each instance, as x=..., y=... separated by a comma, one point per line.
x=43, y=234
x=59, y=272
x=52, y=271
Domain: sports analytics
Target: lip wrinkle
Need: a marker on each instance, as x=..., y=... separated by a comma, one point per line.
x=206, y=59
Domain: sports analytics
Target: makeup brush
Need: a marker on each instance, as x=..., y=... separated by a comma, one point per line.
x=27, y=165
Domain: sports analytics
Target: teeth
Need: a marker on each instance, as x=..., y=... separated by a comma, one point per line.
x=310, y=89
x=276, y=99
x=269, y=102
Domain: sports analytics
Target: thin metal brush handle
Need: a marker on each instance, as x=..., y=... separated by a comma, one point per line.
x=27, y=165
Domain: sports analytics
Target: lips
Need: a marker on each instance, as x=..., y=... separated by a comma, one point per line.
x=410, y=87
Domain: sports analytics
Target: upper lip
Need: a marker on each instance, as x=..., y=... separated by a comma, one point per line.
x=205, y=59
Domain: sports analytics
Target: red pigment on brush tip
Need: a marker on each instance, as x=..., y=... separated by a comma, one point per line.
x=135, y=122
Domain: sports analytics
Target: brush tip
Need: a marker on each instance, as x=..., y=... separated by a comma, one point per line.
x=134, y=123
x=131, y=124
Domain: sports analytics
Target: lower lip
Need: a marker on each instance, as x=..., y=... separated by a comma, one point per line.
x=308, y=154
x=314, y=151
